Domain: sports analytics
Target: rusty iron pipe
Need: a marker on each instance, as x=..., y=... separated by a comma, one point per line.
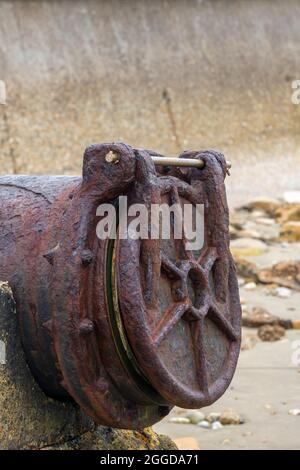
x=126, y=328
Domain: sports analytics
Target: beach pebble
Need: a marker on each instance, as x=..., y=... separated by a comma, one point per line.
x=283, y=292
x=250, y=286
x=195, y=416
x=230, y=417
x=179, y=420
x=294, y=412
x=216, y=425
x=204, y=424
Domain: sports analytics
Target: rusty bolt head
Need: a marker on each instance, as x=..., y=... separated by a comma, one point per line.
x=86, y=257
x=112, y=157
x=86, y=326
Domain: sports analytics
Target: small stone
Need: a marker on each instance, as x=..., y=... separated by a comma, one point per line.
x=230, y=417
x=257, y=317
x=195, y=416
x=290, y=231
x=179, y=420
x=291, y=197
x=288, y=213
x=250, y=286
x=213, y=416
x=285, y=273
x=294, y=412
x=283, y=292
x=241, y=282
x=270, y=332
x=285, y=245
x=216, y=425
x=204, y=424
x=257, y=214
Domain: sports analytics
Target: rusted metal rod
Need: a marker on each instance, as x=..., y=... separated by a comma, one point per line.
x=159, y=159
x=174, y=161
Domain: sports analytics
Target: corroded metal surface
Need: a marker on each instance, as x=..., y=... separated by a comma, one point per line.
x=181, y=309
x=127, y=328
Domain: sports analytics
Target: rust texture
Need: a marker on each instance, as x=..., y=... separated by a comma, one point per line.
x=128, y=328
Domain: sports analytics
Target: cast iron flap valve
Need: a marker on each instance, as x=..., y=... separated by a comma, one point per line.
x=125, y=326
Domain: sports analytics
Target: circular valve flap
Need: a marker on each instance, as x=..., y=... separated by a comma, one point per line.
x=180, y=312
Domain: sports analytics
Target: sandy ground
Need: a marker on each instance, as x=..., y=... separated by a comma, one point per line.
x=265, y=386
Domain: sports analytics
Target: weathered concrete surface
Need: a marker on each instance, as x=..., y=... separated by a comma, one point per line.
x=30, y=420
x=169, y=75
